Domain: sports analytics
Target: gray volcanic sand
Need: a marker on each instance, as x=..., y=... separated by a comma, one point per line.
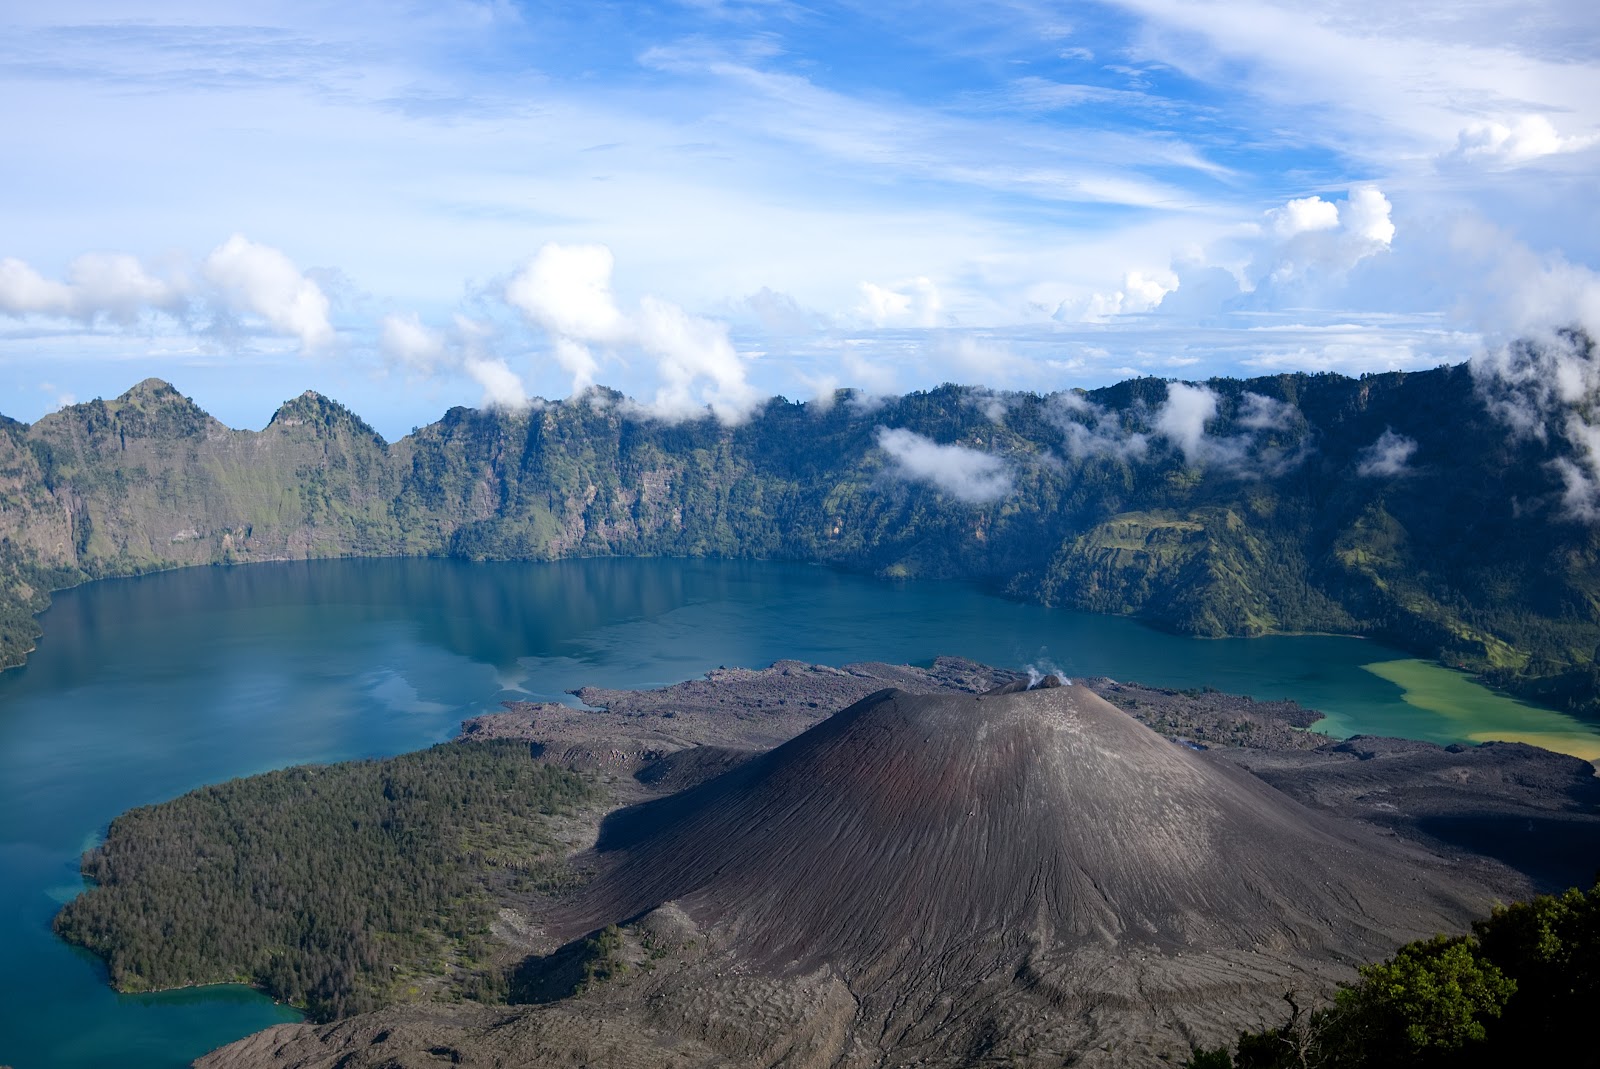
x=968, y=866
x=937, y=819
x=944, y=879
x=1526, y=808
x=736, y=709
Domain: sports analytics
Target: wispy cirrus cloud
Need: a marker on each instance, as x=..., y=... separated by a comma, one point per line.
x=1101, y=166
x=1385, y=83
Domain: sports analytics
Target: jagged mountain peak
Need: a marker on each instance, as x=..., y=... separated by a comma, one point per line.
x=151, y=389
x=323, y=415
x=152, y=408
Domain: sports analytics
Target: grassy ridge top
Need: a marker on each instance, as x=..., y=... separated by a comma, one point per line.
x=1270, y=515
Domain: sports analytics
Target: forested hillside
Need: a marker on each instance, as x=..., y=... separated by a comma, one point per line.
x=1398, y=505
x=338, y=888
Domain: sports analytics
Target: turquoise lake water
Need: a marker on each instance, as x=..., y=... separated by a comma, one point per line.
x=142, y=689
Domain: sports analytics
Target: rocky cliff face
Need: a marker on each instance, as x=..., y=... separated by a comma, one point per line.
x=1270, y=516
x=164, y=484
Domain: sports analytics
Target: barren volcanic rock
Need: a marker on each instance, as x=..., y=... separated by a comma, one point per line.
x=1030, y=878
x=942, y=851
x=1048, y=817
x=1535, y=811
x=731, y=708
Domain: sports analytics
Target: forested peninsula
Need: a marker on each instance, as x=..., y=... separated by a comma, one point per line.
x=337, y=888
x=1401, y=506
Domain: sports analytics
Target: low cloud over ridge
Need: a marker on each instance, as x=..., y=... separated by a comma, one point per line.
x=1186, y=419
x=466, y=347
x=1388, y=457
x=964, y=473
x=566, y=291
x=260, y=280
x=1548, y=388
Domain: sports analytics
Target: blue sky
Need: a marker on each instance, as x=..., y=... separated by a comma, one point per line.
x=409, y=206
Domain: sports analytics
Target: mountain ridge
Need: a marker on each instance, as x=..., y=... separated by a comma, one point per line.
x=1259, y=520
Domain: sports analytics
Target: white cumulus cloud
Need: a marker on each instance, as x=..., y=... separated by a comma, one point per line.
x=260, y=280
x=1525, y=138
x=914, y=302
x=465, y=348
x=1302, y=254
x=238, y=277
x=577, y=360
x=1303, y=214
x=881, y=305
x=697, y=365
x=502, y=388
x=23, y=291
x=406, y=339
x=1366, y=217
x=566, y=291
x=1326, y=239
x=115, y=286
x=962, y=472
x=1140, y=292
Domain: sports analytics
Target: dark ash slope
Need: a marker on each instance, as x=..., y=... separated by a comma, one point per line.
x=1035, y=865
x=1013, y=879
x=919, y=823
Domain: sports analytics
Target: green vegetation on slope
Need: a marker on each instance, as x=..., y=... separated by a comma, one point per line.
x=1516, y=992
x=27, y=586
x=1274, y=522
x=335, y=888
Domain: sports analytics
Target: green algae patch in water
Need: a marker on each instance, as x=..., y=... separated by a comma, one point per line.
x=1465, y=711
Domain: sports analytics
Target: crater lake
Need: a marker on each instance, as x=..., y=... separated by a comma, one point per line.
x=144, y=688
